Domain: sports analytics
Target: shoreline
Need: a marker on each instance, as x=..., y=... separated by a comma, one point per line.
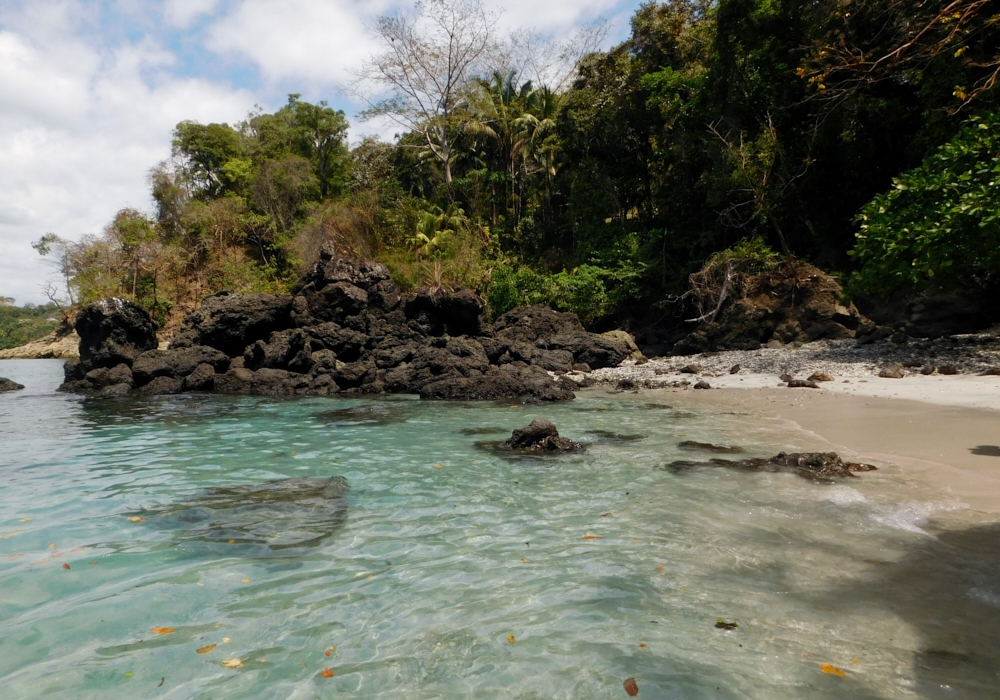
x=951, y=447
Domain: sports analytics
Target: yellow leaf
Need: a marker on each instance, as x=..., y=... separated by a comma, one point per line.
x=205, y=650
x=232, y=663
x=246, y=580
x=832, y=670
x=225, y=640
x=11, y=534
x=855, y=661
x=439, y=466
x=510, y=638
x=137, y=519
x=162, y=630
x=24, y=520
x=525, y=560
x=52, y=545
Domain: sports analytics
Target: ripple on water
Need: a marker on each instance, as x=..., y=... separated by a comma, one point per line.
x=414, y=578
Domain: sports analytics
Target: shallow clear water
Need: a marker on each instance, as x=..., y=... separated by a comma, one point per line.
x=414, y=580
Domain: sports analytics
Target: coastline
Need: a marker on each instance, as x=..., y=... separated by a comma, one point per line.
x=945, y=437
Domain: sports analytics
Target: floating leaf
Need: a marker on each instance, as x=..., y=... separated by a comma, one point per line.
x=8, y=535
x=832, y=670
x=24, y=520
x=232, y=663
x=642, y=646
x=225, y=640
x=661, y=567
x=162, y=630
x=205, y=650
x=591, y=537
x=246, y=580
x=510, y=638
x=439, y=466
x=631, y=687
x=65, y=566
x=525, y=560
x=606, y=515
x=52, y=545
x=232, y=541
x=129, y=674
x=723, y=625
x=855, y=661
x=328, y=652
x=326, y=673
x=137, y=519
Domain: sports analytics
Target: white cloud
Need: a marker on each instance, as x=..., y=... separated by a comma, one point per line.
x=80, y=127
x=181, y=13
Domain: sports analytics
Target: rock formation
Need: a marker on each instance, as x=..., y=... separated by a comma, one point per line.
x=9, y=385
x=797, y=302
x=540, y=436
x=346, y=327
x=816, y=466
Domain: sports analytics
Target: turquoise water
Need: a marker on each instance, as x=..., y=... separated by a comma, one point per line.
x=441, y=548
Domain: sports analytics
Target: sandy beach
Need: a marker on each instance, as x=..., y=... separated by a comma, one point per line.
x=943, y=431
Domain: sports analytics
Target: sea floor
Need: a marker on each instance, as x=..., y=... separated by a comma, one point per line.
x=244, y=547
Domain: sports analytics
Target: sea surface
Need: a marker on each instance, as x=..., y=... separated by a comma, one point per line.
x=246, y=547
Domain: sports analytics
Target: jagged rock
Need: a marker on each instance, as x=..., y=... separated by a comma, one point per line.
x=229, y=322
x=817, y=466
x=896, y=371
x=735, y=369
x=929, y=369
x=702, y=384
x=113, y=331
x=8, y=385
x=177, y=362
x=796, y=302
x=802, y=384
x=629, y=341
x=947, y=369
x=540, y=436
x=346, y=327
x=161, y=385
x=820, y=377
x=690, y=369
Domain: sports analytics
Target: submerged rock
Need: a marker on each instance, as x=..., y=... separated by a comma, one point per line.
x=540, y=436
x=9, y=385
x=817, y=466
x=298, y=512
x=709, y=447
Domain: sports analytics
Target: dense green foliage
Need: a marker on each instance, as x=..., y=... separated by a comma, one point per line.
x=20, y=325
x=940, y=223
x=713, y=123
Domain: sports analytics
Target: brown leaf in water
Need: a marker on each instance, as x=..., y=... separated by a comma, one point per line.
x=232, y=663
x=510, y=638
x=723, y=625
x=591, y=537
x=642, y=646
x=606, y=515
x=326, y=673
x=832, y=670
x=439, y=466
x=205, y=650
x=65, y=566
x=661, y=567
x=631, y=687
x=162, y=630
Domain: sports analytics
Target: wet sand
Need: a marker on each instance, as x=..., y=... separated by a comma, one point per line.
x=950, y=439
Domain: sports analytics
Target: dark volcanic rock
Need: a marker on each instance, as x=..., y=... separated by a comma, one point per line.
x=802, y=384
x=8, y=385
x=817, y=466
x=230, y=322
x=708, y=447
x=347, y=328
x=540, y=436
x=113, y=331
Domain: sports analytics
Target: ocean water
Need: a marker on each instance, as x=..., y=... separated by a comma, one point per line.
x=386, y=542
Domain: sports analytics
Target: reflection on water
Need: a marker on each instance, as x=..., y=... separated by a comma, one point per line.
x=601, y=566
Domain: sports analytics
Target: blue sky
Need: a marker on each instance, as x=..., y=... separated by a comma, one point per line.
x=91, y=89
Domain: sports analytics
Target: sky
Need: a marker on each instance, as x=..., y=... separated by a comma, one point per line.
x=90, y=91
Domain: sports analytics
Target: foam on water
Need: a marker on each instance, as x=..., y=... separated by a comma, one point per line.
x=445, y=548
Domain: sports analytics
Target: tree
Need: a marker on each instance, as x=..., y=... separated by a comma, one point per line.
x=428, y=60
x=62, y=252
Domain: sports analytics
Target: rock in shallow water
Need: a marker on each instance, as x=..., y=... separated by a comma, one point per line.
x=540, y=436
x=816, y=466
x=8, y=385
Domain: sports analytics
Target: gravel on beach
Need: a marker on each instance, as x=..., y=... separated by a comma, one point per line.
x=842, y=359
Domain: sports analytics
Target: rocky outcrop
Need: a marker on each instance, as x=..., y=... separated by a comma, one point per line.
x=54, y=346
x=9, y=385
x=540, y=436
x=346, y=327
x=796, y=302
x=816, y=466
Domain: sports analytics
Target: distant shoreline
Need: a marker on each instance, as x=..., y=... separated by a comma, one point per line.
x=49, y=347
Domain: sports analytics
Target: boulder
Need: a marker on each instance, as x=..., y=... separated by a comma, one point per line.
x=177, y=362
x=229, y=322
x=795, y=302
x=896, y=371
x=820, y=377
x=162, y=385
x=629, y=341
x=816, y=466
x=237, y=380
x=802, y=384
x=112, y=332
x=201, y=379
x=8, y=385
x=540, y=436
x=440, y=312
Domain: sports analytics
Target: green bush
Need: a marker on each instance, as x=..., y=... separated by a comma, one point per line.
x=20, y=325
x=940, y=223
